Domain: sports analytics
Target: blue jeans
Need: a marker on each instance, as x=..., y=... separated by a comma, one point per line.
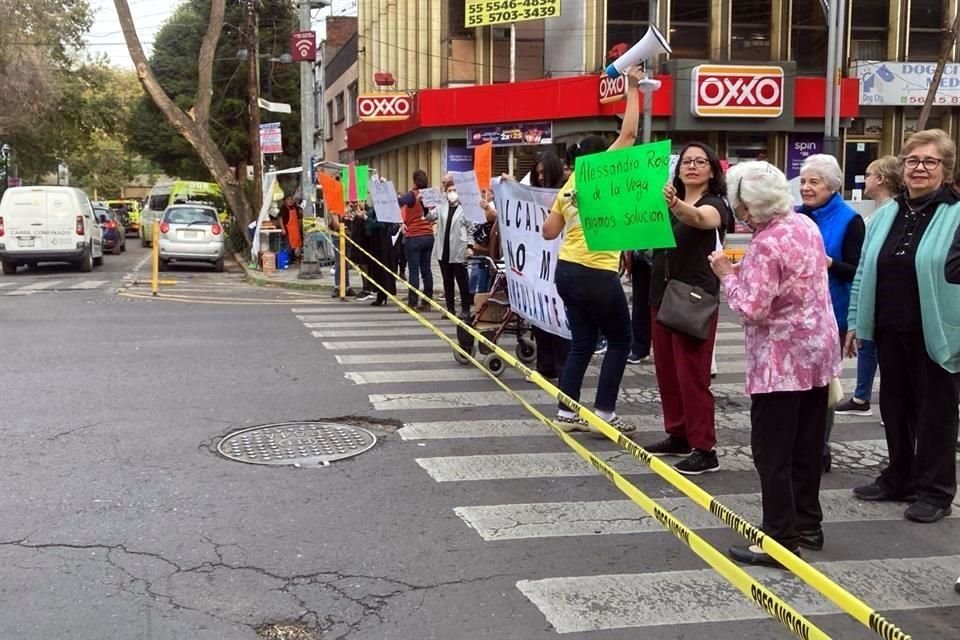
x=866, y=370
x=479, y=276
x=595, y=304
x=418, y=250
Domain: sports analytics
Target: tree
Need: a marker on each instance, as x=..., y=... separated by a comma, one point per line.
x=192, y=123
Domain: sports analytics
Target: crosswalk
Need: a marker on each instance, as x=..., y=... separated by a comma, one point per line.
x=18, y=288
x=478, y=437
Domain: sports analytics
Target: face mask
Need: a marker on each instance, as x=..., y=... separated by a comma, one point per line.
x=452, y=197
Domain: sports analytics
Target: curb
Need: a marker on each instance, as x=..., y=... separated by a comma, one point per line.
x=257, y=279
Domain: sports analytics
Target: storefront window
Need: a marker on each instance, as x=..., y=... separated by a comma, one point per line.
x=626, y=21
x=926, y=27
x=690, y=29
x=808, y=40
x=742, y=147
x=750, y=31
x=868, y=30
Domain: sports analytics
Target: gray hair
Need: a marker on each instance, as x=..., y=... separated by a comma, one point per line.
x=826, y=167
x=762, y=188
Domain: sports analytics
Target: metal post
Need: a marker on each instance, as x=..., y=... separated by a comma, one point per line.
x=830, y=144
x=513, y=52
x=155, y=278
x=306, y=121
x=651, y=66
x=342, y=258
x=838, y=74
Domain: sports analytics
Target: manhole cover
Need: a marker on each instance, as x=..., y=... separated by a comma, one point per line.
x=296, y=443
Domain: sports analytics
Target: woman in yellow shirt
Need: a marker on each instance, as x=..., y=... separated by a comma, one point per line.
x=588, y=282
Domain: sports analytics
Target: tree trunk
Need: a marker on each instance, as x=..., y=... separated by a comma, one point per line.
x=194, y=130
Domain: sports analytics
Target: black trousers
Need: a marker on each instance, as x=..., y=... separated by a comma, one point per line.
x=551, y=353
x=456, y=271
x=383, y=277
x=918, y=401
x=640, y=316
x=787, y=440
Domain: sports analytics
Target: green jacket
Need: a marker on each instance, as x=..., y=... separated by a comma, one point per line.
x=939, y=300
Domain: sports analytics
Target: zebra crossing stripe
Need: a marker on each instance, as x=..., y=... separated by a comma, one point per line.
x=442, y=430
x=459, y=399
x=43, y=284
x=617, y=517
x=668, y=597
x=516, y=466
x=367, y=333
x=419, y=375
x=335, y=308
x=89, y=284
x=382, y=344
x=6, y=284
x=341, y=322
x=395, y=358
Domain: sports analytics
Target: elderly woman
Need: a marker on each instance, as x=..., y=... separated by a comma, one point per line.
x=882, y=184
x=781, y=294
x=842, y=229
x=902, y=299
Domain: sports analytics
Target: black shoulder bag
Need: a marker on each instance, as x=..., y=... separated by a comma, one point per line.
x=687, y=309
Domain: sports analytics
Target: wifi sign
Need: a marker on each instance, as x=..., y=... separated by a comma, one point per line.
x=303, y=46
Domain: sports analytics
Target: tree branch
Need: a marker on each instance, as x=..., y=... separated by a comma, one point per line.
x=208, y=49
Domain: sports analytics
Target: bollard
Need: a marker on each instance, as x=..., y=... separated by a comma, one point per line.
x=343, y=261
x=155, y=280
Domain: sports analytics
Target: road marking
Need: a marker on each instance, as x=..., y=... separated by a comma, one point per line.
x=371, y=333
x=356, y=322
x=616, y=517
x=89, y=284
x=396, y=358
x=418, y=375
x=460, y=399
x=43, y=284
x=383, y=344
x=344, y=307
x=518, y=466
x=443, y=430
x=570, y=604
x=6, y=284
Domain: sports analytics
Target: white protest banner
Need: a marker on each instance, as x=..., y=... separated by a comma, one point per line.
x=431, y=197
x=384, y=197
x=530, y=260
x=469, y=191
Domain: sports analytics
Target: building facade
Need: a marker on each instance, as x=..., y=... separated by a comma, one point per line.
x=537, y=82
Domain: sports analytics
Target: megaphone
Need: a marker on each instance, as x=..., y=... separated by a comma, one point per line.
x=651, y=44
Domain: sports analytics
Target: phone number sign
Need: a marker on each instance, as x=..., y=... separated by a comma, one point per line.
x=481, y=13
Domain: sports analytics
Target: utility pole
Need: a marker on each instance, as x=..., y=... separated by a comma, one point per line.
x=253, y=88
x=651, y=66
x=949, y=40
x=307, y=189
x=831, y=141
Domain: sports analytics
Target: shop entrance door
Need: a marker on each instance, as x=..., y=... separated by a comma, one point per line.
x=859, y=154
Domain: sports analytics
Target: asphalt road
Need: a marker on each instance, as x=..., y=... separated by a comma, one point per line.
x=119, y=519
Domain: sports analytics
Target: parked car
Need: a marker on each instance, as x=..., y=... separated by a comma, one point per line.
x=114, y=232
x=48, y=224
x=191, y=232
x=178, y=192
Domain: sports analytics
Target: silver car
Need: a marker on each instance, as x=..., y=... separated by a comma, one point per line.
x=191, y=232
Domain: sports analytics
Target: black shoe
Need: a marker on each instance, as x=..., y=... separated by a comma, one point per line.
x=755, y=555
x=378, y=303
x=669, y=446
x=812, y=539
x=698, y=462
x=635, y=359
x=956, y=587
x=876, y=493
x=923, y=512
x=851, y=407
x=826, y=461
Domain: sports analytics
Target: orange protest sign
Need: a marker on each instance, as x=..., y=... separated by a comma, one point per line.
x=483, y=164
x=332, y=193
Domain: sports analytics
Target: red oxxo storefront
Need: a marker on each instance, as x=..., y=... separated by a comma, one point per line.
x=744, y=111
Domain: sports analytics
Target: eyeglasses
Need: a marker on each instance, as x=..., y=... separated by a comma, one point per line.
x=928, y=163
x=699, y=163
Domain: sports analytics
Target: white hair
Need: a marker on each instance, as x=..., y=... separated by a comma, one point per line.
x=761, y=187
x=826, y=167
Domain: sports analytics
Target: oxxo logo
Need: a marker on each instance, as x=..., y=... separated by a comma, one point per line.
x=612, y=89
x=385, y=106
x=724, y=91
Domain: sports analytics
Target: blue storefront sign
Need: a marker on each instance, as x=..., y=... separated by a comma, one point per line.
x=459, y=158
x=800, y=147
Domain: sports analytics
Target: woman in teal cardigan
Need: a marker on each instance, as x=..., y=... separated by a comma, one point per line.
x=902, y=300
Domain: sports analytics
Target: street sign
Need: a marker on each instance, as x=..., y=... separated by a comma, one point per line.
x=14, y=181
x=270, y=138
x=731, y=91
x=303, y=46
x=384, y=106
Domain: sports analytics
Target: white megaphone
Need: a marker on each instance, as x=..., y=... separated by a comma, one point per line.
x=651, y=44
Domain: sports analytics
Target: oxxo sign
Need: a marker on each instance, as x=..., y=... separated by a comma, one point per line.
x=384, y=106
x=612, y=89
x=727, y=91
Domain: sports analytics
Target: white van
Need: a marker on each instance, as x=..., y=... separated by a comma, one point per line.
x=48, y=224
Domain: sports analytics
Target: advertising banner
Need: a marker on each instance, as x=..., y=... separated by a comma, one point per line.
x=800, y=147
x=270, y=138
x=530, y=260
x=480, y=13
x=905, y=83
x=505, y=135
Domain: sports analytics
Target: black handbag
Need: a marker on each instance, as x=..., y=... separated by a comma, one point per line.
x=687, y=309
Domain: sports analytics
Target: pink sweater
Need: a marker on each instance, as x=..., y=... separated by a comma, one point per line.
x=780, y=292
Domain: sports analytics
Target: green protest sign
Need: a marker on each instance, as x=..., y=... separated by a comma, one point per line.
x=620, y=198
x=363, y=174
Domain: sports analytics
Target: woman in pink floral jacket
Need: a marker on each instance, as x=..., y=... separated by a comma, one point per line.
x=780, y=292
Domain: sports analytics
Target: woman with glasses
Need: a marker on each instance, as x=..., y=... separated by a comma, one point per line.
x=842, y=229
x=903, y=301
x=781, y=294
x=699, y=214
x=883, y=182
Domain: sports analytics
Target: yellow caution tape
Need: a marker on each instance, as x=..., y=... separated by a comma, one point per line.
x=757, y=592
